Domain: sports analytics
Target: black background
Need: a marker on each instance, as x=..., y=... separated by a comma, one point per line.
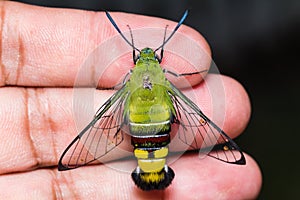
x=257, y=43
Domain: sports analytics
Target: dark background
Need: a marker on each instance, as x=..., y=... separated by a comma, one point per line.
x=257, y=43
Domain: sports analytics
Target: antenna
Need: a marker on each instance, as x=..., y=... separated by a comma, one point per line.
x=175, y=29
x=119, y=31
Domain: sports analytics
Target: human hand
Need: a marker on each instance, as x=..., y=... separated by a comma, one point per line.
x=42, y=50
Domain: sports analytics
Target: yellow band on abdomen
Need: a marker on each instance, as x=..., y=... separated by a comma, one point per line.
x=140, y=153
x=151, y=165
x=160, y=153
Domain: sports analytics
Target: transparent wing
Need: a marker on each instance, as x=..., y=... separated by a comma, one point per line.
x=99, y=137
x=199, y=132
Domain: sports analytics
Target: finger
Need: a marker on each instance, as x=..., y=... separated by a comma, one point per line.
x=201, y=179
x=38, y=124
x=62, y=47
x=211, y=179
x=224, y=101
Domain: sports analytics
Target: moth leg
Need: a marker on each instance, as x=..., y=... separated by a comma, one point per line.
x=159, y=58
x=184, y=74
x=134, y=56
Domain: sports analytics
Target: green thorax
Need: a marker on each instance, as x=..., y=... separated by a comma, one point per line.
x=149, y=103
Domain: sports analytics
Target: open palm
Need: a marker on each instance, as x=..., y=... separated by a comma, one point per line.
x=42, y=49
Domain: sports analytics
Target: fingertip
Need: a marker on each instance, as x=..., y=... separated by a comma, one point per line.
x=213, y=179
x=238, y=106
x=254, y=173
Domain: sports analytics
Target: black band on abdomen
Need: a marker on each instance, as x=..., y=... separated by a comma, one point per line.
x=155, y=141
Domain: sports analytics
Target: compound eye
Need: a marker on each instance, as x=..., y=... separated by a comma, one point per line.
x=148, y=51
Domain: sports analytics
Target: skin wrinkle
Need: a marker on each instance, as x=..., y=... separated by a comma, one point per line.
x=28, y=128
x=56, y=185
x=34, y=95
x=3, y=71
x=20, y=59
x=53, y=130
x=69, y=184
x=44, y=111
x=53, y=135
x=10, y=47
